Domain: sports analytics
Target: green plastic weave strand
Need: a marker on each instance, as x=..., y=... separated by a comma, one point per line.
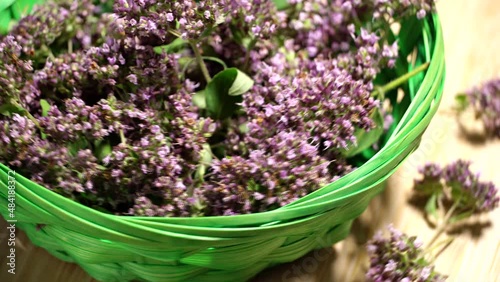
x=12, y=10
x=230, y=248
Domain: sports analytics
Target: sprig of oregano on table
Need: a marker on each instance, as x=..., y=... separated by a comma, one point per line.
x=453, y=193
x=484, y=100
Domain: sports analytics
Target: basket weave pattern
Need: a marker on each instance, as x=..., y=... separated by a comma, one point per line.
x=231, y=248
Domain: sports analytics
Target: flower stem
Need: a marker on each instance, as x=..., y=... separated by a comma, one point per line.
x=445, y=244
x=32, y=118
x=400, y=80
x=122, y=137
x=199, y=60
x=444, y=224
x=49, y=52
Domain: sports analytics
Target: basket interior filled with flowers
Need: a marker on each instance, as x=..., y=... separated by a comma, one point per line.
x=207, y=140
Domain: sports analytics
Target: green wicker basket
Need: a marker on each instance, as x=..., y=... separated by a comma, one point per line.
x=232, y=248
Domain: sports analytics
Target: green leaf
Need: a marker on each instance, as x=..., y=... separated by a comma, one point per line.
x=205, y=160
x=431, y=206
x=281, y=4
x=207, y=32
x=241, y=37
x=223, y=93
x=244, y=128
x=462, y=101
x=238, y=34
x=429, y=187
x=173, y=47
x=458, y=194
x=102, y=149
x=253, y=186
x=365, y=139
x=9, y=109
x=101, y=167
x=459, y=217
x=45, y=107
x=199, y=100
x=241, y=84
x=77, y=146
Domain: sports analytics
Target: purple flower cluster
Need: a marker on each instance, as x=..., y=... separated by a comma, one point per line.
x=156, y=22
x=116, y=67
x=485, y=100
x=50, y=165
x=149, y=168
x=14, y=72
x=248, y=32
x=317, y=97
x=95, y=99
x=94, y=111
x=317, y=28
x=57, y=24
x=466, y=188
x=258, y=18
x=399, y=258
x=279, y=170
x=400, y=8
x=53, y=27
x=323, y=27
x=108, y=116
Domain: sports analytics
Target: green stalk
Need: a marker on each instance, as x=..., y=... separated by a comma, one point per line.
x=49, y=52
x=444, y=225
x=199, y=60
x=400, y=80
x=445, y=244
x=122, y=137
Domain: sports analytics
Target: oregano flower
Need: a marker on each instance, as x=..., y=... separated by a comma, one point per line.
x=399, y=257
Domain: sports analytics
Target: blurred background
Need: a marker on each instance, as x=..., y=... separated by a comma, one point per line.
x=472, y=43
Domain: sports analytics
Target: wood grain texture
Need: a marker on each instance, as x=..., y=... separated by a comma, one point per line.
x=472, y=38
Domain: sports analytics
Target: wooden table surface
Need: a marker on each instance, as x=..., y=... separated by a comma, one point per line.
x=472, y=38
